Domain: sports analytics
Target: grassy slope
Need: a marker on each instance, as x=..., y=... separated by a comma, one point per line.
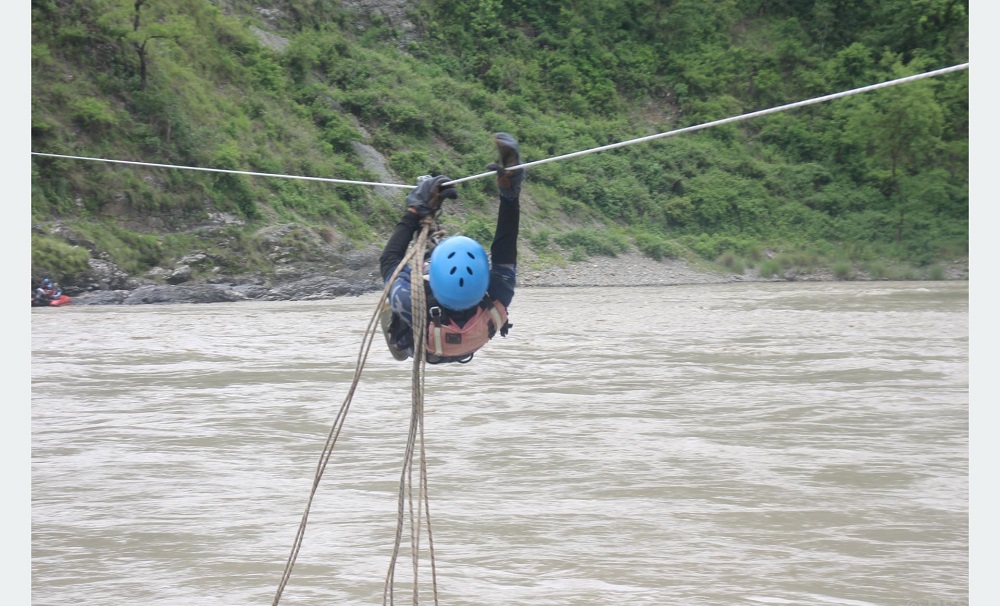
x=219, y=98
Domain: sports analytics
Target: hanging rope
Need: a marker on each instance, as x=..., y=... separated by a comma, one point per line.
x=429, y=232
x=416, y=436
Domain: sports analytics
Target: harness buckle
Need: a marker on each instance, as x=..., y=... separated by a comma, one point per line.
x=435, y=314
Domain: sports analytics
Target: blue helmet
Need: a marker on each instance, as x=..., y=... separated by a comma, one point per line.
x=459, y=272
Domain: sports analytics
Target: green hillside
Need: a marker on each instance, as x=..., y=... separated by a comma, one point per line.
x=876, y=181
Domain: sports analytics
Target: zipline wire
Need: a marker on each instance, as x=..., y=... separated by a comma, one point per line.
x=687, y=129
x=222, y=170
x=755, y=114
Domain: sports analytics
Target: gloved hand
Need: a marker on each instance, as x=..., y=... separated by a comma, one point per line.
x=509, y=182
x=427, y=196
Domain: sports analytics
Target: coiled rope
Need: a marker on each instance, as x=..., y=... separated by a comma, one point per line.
x=429, y=233
x=419, y=312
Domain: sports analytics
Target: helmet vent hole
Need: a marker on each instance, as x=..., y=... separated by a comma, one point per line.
x=471, y=256
x=451, y=254
x=461, y=282
x=453, y=270
x=468, y=270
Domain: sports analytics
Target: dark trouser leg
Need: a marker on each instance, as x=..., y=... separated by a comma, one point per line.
x=504, y=248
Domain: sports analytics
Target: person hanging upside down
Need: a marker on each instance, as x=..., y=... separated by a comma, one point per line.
x=467, y=293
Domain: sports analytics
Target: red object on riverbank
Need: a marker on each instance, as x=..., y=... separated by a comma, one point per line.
x=57, y=302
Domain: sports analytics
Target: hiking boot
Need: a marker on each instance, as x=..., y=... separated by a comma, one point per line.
x=509, y=182
x=386, y=320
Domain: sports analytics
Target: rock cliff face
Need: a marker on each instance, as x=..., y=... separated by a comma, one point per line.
x=397, y=13
x=317, y=287
x=324, y=274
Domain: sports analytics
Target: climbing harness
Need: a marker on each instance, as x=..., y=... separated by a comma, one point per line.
x=451, y=336
x=445, y=338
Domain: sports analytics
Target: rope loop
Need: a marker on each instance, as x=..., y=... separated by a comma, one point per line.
x=430, y=233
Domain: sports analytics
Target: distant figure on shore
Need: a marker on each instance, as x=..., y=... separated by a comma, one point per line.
x=42, y=295
x=48, y=293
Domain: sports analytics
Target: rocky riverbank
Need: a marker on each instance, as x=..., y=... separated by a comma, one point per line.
x=361, y=276
x=628, y=269
x=633, y=269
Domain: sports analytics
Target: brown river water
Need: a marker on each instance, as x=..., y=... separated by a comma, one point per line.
x=757, y=444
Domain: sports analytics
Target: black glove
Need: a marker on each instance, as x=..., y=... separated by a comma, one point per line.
x=509, y=182
x=427, y=196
